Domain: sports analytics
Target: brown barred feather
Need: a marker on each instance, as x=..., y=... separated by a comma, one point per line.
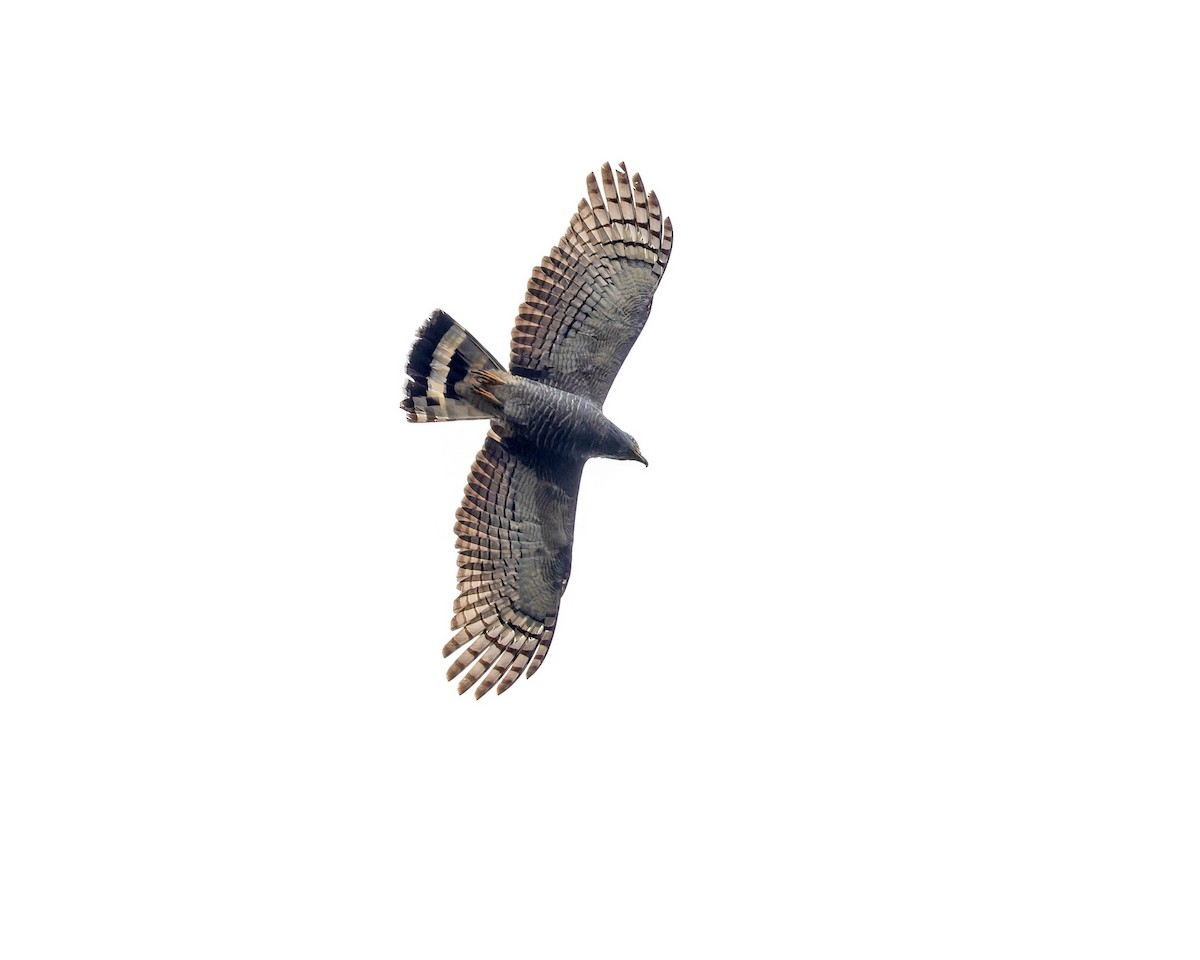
x=589, y=299
x=515, y=527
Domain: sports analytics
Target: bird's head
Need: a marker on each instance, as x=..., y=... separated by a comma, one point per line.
x=615, y=444
x=626, y=448
x=637, y=453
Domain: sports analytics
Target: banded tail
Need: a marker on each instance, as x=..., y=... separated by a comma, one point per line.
x=451, y=374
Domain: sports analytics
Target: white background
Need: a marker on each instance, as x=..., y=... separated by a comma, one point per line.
x=891, y=652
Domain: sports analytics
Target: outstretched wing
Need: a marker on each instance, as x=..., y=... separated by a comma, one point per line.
x=589, y=299
x=515, y=529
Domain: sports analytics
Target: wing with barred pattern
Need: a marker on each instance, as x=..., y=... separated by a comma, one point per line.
x=588, y=301
x=515, y=530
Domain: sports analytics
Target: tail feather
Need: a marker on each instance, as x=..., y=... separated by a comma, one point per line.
x=451, y=375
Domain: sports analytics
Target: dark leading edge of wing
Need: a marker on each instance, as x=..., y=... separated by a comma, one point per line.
x=588, y=300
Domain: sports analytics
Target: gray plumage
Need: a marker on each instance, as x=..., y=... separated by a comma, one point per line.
x=585, y=305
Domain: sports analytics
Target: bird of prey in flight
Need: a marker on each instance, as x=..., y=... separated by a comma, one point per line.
x=585, y=305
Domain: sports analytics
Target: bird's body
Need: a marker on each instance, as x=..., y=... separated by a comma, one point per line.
x=559, y=423
x=585, y=306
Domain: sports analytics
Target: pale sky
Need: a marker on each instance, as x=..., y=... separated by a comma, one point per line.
x=892, y=651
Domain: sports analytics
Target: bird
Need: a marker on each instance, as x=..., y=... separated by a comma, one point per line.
x=585, y=305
